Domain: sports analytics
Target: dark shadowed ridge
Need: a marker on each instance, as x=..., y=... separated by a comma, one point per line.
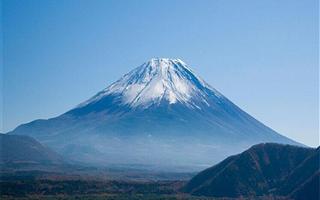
x=302, y=173
x=264, y=169
x=309, y=190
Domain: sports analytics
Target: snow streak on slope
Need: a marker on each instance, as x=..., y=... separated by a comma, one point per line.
x=159, y=80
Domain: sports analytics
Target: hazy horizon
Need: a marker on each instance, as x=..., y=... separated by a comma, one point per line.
x=58, y=54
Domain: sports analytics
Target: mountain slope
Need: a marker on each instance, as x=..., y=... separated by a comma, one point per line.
x=160, y=113
x=16, y=149
x=261, y=170
x=309, y=190
x=298, y=177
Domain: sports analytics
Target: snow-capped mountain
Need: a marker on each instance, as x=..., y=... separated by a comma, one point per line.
x=161, y=114
x=156, y=81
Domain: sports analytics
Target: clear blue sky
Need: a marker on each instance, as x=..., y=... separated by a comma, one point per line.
x=261, y=54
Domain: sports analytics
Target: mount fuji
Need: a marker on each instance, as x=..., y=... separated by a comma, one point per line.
x=161, y=114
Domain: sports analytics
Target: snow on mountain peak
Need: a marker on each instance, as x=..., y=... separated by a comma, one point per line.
x=159, y=80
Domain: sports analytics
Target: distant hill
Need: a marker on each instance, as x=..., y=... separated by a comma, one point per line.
x=18, y=149
x=264, y=169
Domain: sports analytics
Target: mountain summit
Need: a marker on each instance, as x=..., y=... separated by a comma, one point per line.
x=159, y=114
x=159, y=80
